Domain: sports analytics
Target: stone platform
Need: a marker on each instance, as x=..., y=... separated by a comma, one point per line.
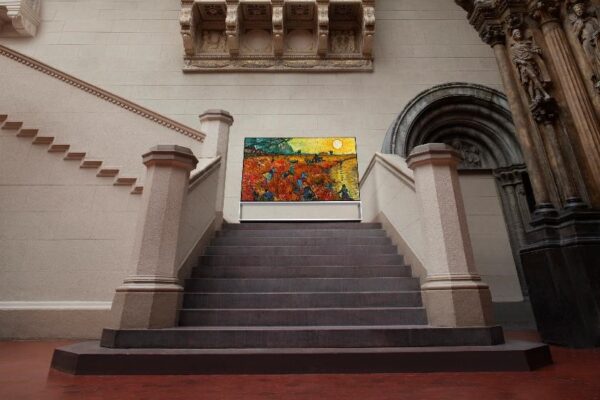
x=88, y=358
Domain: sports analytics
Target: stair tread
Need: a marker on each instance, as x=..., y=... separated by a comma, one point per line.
x=297, y=328
x=304, y=309
x=315, y=278
x=304, y=293
x=300, y=266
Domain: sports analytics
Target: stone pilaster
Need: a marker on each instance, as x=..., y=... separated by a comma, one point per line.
x=586, y=137
x=524, y=128
x=150, y=297
x=453, y=292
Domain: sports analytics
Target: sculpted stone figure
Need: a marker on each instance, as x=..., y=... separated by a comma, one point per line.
x=533, y=74
x=213, y=41
x=343, y=42
x=471, y=154
x=586, y=28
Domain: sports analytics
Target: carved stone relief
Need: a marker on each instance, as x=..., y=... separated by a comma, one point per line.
x=470, y=153
x=300, y=41
x=307, y=35
x=257, y=41
x=585, y=24
x=213, y=41
x=256, y=12
x=533, y=75
x=343, y=42
x=19, y=17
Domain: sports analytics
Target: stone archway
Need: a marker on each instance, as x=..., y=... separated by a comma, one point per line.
x=477, y=122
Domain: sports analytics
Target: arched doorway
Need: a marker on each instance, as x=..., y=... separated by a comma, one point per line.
x=476, y=121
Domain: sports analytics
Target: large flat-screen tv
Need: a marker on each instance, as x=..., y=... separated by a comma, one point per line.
x=300, y=169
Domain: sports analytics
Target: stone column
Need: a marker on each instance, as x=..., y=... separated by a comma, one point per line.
x=150, y=297
x=586, y=139
x=509, y=181
x=523, y=127
x=216, y=124
x=453, y=292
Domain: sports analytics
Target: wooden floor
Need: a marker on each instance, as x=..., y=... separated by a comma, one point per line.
x=24, y=374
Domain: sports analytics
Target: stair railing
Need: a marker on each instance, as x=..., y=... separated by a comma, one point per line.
x=425, y=210
x=177, y=218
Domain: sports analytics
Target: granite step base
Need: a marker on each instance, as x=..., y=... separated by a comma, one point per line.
x=88, y=358
x=241, y=337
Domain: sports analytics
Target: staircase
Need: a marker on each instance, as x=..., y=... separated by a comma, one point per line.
x=301, y=285
x=300, y=298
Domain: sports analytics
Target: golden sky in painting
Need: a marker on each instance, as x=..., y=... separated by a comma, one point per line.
x=339, y=145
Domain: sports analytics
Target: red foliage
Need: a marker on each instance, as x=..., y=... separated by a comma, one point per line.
x=279, y=175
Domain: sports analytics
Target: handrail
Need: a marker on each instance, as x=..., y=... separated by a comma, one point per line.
x=404, y=175
x=203, y=173
x=102, y=94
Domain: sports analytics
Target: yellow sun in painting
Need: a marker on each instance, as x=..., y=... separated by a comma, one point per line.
x=337, y=144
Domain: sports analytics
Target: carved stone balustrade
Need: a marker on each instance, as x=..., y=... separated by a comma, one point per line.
x=19, y=17
x=278, y=35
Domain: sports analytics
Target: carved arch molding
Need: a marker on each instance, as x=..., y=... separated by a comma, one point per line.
x=476, y=121
x=277, y=35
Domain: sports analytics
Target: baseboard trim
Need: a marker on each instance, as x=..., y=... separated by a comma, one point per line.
x=54, y=305
x=53, y=320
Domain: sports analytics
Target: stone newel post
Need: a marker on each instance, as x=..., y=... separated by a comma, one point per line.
x=150, y=297
x=216, y=124
x=453, y=293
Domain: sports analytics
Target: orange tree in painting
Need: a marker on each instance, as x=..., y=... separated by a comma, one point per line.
x=300, y=169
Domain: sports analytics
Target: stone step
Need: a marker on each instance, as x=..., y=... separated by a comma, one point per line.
x=303, y=260
x=300, y=225
x=88, y=358
x=302, y=300
x=250, y=337
x=300, y=241
x=312, y=233
x=12, y=125
x=268, y=285
x=303, y=316
x=324, y=249
x=301, y=272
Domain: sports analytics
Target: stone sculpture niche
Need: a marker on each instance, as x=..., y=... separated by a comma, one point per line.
x=19, y=17
x=277, y=35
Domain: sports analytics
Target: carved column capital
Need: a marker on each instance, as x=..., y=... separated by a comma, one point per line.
x=545, y=11
x=493, y=34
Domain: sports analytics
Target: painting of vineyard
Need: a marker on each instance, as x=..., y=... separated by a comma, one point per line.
x=300, y=169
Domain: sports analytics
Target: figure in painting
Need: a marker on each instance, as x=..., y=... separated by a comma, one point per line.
x=308, y=194
x=586, y=27
x=345, y=194
x=533, y=74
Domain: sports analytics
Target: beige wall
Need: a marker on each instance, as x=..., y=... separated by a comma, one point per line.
x=134, y=48
x=489, y=236
x=389, y=197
